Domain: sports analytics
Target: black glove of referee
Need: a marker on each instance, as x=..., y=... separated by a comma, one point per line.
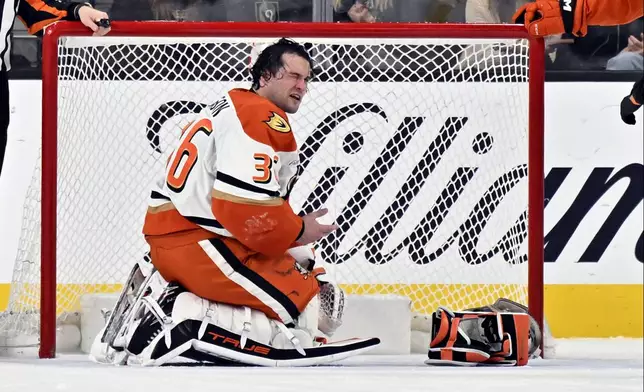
x=631, y=103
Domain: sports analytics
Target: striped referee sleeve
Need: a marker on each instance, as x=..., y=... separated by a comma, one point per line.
x=36, y=14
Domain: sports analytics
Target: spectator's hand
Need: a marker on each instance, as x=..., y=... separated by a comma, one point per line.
x=313, y=230
x=359, y=13
x=635, y=45
x=89, y=16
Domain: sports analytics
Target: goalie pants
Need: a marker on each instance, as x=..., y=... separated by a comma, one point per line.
x=222, y=269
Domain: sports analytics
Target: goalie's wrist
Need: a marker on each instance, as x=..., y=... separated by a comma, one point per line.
x=568, y=9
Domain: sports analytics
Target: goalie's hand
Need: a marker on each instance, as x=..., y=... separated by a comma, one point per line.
x=542, y=18
x=631, y=103
x=313, y=230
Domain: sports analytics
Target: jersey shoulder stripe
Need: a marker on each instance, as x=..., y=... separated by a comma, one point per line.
x=154, y=195
x=237, y=183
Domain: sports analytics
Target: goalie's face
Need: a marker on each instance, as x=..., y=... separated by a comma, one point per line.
x=287, y=87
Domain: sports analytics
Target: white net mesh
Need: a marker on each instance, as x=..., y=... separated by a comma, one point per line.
x=418, y=148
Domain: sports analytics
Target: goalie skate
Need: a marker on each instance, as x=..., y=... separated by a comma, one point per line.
x=133, y=291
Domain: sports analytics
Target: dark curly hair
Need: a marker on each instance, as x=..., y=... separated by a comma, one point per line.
x=270, y=61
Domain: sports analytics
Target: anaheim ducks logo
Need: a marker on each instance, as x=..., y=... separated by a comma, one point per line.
x=278, y=123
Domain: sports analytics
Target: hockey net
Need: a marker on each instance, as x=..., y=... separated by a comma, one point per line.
x=414, y=137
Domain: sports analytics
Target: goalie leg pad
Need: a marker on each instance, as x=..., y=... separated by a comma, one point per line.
x=225, y=346
x=169, y=327
x=302, y=336
x=204, y=331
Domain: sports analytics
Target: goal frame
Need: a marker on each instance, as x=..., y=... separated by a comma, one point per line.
x=536, y=80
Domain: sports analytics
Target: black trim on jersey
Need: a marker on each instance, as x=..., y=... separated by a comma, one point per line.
x=254, y=277
x=158, y=196
x=204, y=221
x=230, y=180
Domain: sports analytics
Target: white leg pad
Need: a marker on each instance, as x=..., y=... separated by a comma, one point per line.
x=232, y=318
x=250, y=324
x=302, y=336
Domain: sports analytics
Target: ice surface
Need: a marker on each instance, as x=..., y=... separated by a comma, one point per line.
x=581, y=365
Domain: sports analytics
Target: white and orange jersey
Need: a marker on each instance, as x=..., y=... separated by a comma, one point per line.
x=231, y=174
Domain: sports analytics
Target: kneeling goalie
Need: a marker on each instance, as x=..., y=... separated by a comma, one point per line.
x=221, y=231
x=232, y=276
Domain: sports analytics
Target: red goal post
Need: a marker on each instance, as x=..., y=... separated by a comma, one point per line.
x=375, y=32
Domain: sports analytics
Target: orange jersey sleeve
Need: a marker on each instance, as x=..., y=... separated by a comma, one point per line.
x=613, y=12
x=248, y=197
x=270, y=229
x=605, y=13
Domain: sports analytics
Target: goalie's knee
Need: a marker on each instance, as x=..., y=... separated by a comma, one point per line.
x=248, y=323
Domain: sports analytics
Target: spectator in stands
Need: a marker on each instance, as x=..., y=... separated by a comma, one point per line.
x=189, y=10
x=211, y=10
x=491, y=11
x=631, y=58
x=369, y=11
x=603, y=47
x=485, y=56
x=126, y=10
x=359, y=11
x=178, y=10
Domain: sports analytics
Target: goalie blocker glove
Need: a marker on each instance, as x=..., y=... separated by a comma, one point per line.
x=472, y=338
x=632, y=102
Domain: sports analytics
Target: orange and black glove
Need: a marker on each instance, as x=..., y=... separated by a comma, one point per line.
x=549, y=17
x=632, y=102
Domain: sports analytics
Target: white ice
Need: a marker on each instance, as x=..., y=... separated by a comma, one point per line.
x=580, y=365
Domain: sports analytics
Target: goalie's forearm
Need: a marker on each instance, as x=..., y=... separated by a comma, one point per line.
x=269, y=226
